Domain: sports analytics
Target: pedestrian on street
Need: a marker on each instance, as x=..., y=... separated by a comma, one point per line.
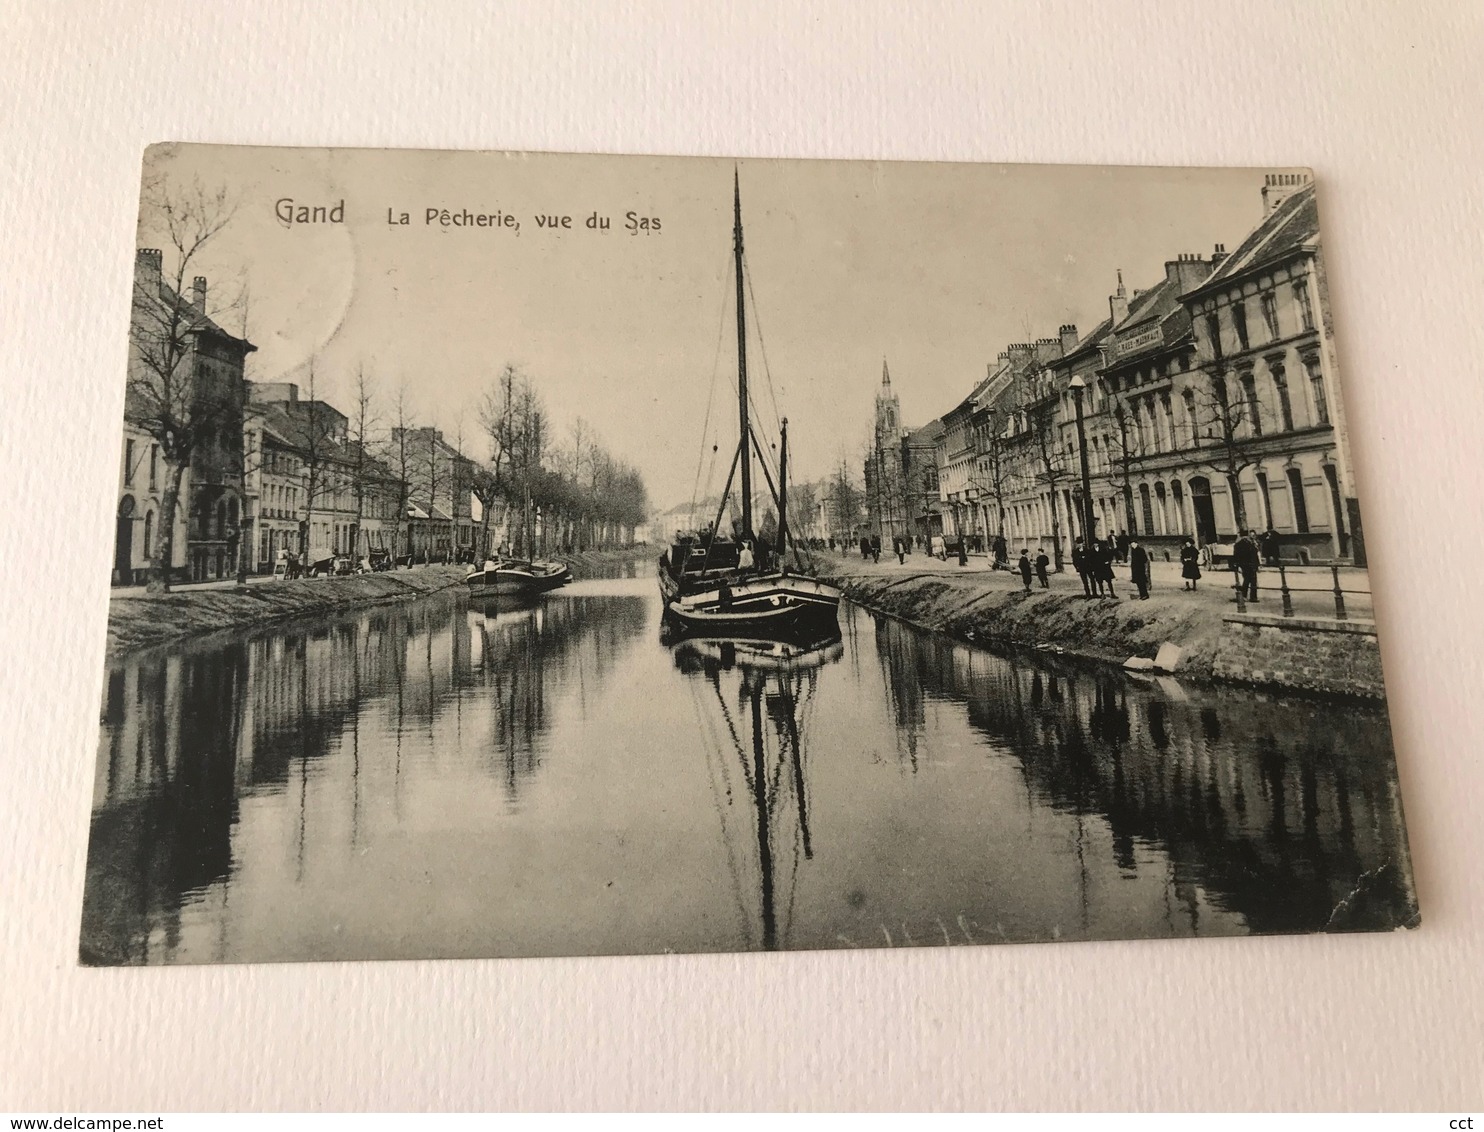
x=1245, y=559
x=1001, y=553
x=1025, y=569
x=865, y=548
x=1042, y=562
x=876, y=548
x=1138, y=568
x=963, y=551
x=1122, y=546
x=1270, y=547
x=901, y=548
x=1107, y=552
x=1190, y=564
x=1079, y=563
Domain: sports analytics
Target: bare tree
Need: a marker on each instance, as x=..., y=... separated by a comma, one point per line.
x=180, y=401
x=400, y=456
x=429, y=477
x=365, y=472
x=993, y=467
x=1125, y=446
x=1227, y=424
x=499, y=415
x=1040, y=404
x=844, y=500
x=320, y=456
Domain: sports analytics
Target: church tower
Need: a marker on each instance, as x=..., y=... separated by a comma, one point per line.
x=885, y=497
x=888, y=412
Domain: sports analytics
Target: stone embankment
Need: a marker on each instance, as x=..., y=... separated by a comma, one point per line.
x=1310, y=655
x=138, y=620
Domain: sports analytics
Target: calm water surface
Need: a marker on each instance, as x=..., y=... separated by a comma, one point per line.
x=439, y=779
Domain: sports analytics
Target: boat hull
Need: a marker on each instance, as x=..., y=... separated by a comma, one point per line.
x=766, y=607
x=511, y=581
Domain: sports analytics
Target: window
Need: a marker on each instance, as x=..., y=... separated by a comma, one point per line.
x=1301, y=300
x=1285, y=405
x=1169, y=419
x=1270, y=315
x=1147, y=507
x=149, y=536
x=1239, y=322
x=1267, y=499
x=1316, y=387
x=1300, y=507
x=128, y=462
x=1254, y=410
x=1188, y=397
x=1213, y=330
x=154, y=466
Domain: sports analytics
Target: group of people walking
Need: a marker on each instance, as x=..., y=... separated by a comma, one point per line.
x=1094, y=563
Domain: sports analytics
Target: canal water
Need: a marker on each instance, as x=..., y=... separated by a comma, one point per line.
x=443, y=779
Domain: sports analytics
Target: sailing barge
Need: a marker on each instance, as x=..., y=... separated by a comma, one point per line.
x=740, y=587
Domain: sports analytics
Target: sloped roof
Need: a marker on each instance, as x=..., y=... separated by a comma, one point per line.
x=1294, y=223
x=927, y=435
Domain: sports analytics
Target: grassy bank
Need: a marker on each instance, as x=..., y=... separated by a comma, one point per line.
x=139, y=620
x=994, y=607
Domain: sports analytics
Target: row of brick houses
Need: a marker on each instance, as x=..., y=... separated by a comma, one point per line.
x=1210, y=405
x=273, y=471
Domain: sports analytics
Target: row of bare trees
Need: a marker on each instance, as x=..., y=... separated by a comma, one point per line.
x=186, y=390
x=585, y=497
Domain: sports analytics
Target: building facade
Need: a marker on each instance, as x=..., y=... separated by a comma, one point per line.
x=1210, y=405
x=312, y=490
x=185, y=378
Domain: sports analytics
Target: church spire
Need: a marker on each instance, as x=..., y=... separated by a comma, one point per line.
x=885, y=373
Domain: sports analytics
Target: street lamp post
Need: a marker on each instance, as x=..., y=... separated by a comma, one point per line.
x=1079, y=387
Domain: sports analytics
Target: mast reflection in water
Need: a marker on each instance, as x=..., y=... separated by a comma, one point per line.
x=434, y=780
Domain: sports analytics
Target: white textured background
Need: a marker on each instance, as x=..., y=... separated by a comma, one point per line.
x=1383, y=100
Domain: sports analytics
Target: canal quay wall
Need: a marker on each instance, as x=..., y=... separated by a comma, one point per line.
x=139, y=620
x=1302, y=654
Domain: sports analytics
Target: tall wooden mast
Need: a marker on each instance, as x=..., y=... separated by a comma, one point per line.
x=745, y=434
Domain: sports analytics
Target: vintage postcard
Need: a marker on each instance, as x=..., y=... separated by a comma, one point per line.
x=541, y=555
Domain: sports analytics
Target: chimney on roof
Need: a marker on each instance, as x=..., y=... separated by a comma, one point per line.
x=198, y=293
x=1187, y=272
x=1278, y=187
x=147, y=263
x=1218, y=256
x=1118, y=302
x=1068, y=335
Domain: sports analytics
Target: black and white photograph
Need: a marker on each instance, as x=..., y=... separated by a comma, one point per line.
x=558, y=555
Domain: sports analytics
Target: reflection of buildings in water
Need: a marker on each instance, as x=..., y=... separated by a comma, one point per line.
x=189, y=734
x=753, y=702
x=1277, y=807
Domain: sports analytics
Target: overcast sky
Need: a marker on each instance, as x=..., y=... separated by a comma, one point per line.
x=936, y=267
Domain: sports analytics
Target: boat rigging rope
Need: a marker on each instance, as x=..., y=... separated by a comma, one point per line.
x=701, y=462
x=762, y=346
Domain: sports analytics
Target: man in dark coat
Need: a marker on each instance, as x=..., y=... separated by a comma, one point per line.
x=1138, y=568
x=1001, y=553
x=1245, y=559
x=1080, y=564
x=1122, y=546
x=876, y=548
x=1270, y=547
x=1042, y=562
x=865, y=548
x=1025, y=569
x=1106, y=555
x=963, y=550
